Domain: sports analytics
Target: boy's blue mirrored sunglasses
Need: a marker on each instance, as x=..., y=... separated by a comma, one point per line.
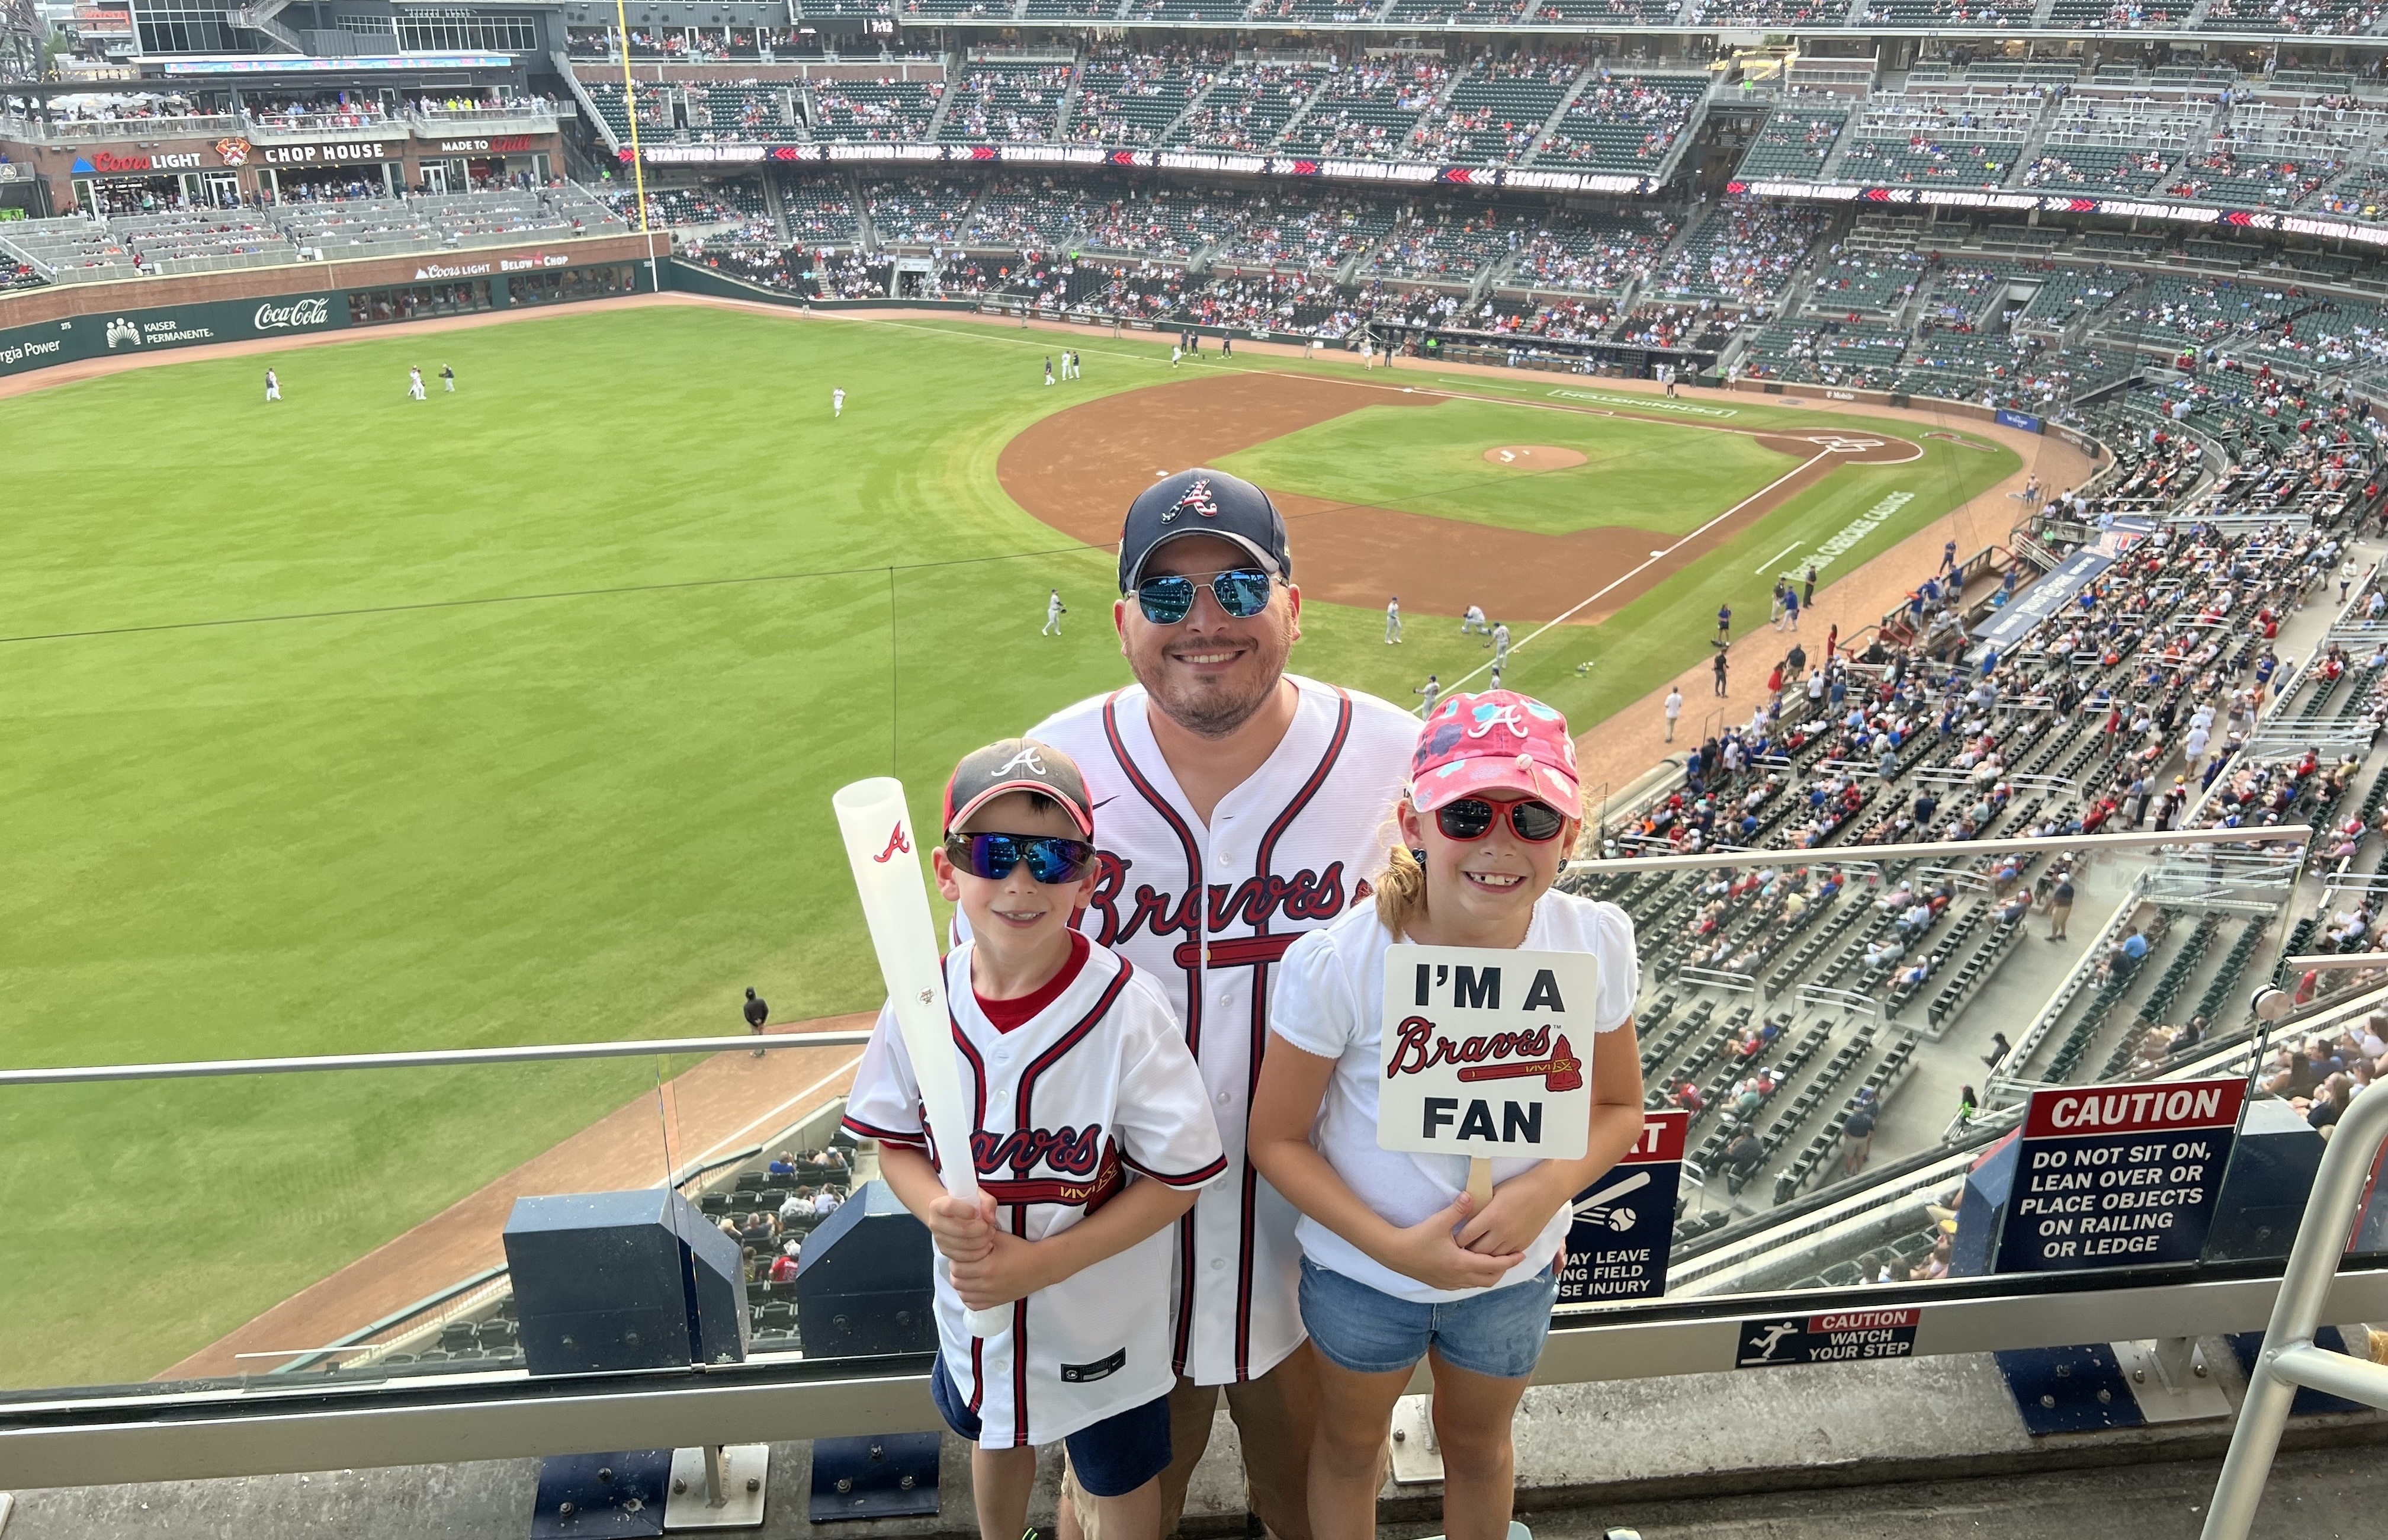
x=1050, y=859
x=1243, y=593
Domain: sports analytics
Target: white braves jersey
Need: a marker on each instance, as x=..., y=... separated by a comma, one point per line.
x=1289, y=849
x=1096, y=1084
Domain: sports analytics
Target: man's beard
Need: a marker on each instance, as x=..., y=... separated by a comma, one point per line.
x=1216, y=710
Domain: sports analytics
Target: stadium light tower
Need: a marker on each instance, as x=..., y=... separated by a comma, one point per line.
x=638, y=157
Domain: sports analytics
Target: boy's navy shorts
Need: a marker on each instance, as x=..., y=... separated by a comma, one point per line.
x=1113, y=1458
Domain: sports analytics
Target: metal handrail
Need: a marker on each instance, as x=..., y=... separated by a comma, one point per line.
x=2289, y=1357
x=529, y=1053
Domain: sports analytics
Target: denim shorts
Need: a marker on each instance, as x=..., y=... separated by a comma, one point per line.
x=1499, y=1332
x=1113, y=1458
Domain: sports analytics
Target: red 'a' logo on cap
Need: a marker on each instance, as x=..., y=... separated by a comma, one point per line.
x=1198, y=497
x=896, y=845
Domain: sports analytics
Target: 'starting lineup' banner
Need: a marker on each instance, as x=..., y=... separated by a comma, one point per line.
x=2117, y=1176
x=1479, y=1054
x=2117, y=208
x=1407, y=172
x=138, y=331
x=1625, y=1221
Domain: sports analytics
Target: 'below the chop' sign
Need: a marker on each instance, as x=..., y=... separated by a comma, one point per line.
x=2116, y=1176
x=1481, y=1053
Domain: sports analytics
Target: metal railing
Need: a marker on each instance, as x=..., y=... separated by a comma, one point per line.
x=2289, y=1357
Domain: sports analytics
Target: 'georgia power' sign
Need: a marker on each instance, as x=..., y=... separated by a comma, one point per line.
x=1479, y=1054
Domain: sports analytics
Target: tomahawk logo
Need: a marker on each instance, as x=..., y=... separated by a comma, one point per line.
x=1028, y=758
x=1198, y=497
x=123, y=331
x=897, y=846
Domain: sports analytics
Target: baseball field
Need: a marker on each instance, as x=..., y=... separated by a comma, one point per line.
x=352, y=722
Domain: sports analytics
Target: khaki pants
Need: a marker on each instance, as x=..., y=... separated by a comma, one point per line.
x=1276, y=1417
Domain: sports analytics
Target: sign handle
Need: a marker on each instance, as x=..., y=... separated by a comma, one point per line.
x=1480, y=1181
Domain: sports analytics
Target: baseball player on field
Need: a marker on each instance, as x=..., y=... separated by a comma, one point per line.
x=1093, y=1132
x=1393, y=619
x=837, y=403
x=1474, y=621
x=1219, y=773
x=273, y=386
x=415, y=384
x=1054, y=610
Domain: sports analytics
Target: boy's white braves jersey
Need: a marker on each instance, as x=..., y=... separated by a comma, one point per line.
x=1289, y=849
x=1095, y=1085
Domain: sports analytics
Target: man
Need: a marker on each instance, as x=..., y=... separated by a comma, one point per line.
x=1432, y=691
x=1947, y=558
x=1857, y=1138
x=836, y=404
x=1674, y=708
x=757, y=1013
x=1054, y=610
x=1500, y=645
x=2000, y=1048
x=1474, y=621
x=1808, y=588
x=1720, y=669
x=1048, y=368
x=415, y=384
x=273, y=386
x=1219, y=772
x=1394, y=620
x=448, y=378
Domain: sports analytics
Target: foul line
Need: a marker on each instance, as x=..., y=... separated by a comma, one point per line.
x=1648, y=562
x=1759, y=570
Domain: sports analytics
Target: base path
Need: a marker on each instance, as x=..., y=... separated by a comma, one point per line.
x=726, y=1102
x=1078, y=468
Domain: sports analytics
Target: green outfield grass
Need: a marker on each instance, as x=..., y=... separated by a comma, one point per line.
x=1654, y=475
x=357, y=723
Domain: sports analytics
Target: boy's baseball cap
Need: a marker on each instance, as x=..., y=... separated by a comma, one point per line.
x=1017, y=765
x=1499, y=740
x=1202, y=502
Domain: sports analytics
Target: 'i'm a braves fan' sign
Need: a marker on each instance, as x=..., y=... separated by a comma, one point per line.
x=1479, y=1052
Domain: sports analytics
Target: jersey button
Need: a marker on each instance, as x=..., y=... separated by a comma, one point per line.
x=1223, y=1099
x=1217, y=1263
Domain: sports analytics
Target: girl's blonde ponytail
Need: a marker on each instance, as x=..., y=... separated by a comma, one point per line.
x=1401, y=889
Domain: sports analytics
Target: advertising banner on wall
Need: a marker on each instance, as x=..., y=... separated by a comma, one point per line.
x=136, y=331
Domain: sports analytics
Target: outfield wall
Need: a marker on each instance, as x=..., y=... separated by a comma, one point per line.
x=43, y=327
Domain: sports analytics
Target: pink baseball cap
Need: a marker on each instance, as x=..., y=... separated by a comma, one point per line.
x=1499, y=740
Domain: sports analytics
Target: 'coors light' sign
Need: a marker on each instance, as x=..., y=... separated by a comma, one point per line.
x=1487, y=1053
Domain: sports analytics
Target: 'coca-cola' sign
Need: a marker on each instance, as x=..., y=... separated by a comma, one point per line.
x=297, y=316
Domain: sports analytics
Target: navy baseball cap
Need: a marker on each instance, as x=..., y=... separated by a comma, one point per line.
x=1202, y=502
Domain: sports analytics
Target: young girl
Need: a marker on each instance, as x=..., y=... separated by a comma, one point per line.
x=1397, y=1261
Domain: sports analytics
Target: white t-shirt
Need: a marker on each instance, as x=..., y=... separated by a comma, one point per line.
x=1330, y=1000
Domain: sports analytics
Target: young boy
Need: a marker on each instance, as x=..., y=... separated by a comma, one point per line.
x=1093, y=1134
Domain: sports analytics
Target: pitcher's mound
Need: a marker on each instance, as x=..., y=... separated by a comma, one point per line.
x=1533, y=457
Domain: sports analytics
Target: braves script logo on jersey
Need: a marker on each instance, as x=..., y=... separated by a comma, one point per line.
x=1198, y=497
x=1089, y=1163
x=1306, y=895
x=897, y=846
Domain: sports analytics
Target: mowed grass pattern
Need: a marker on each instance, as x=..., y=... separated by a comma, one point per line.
x=1661, y=476
x=356, y=723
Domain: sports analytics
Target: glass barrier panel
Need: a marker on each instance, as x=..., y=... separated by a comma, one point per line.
x=249, y=1229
